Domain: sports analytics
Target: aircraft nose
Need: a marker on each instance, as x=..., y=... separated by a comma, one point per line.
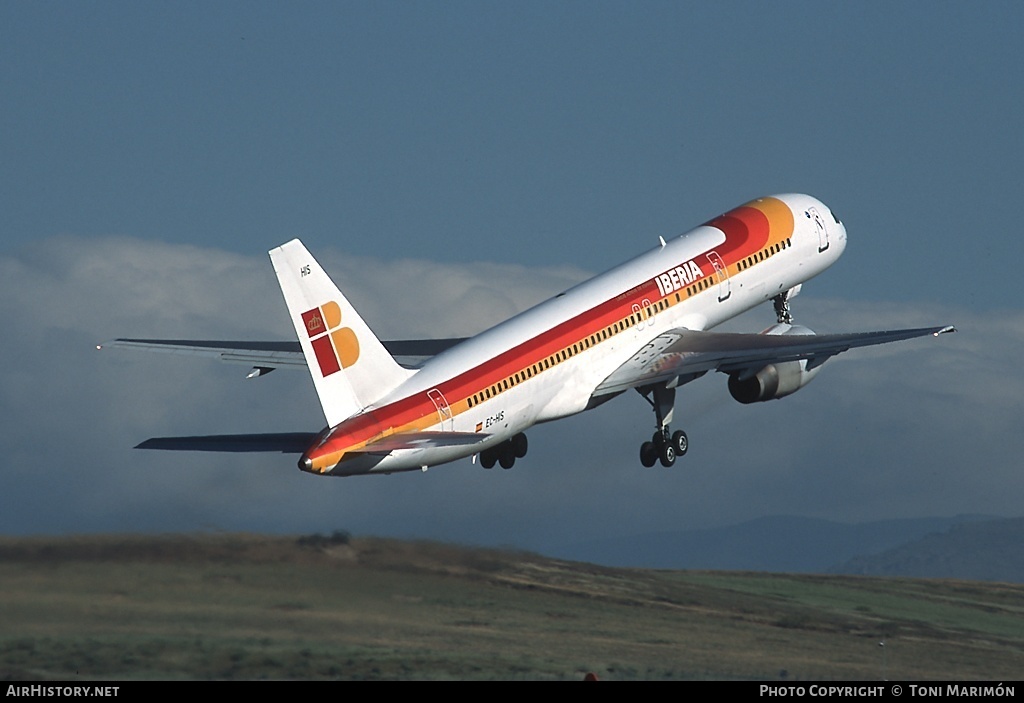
x=305, y=463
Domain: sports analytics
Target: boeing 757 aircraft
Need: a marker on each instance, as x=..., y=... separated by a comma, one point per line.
x=643, y=325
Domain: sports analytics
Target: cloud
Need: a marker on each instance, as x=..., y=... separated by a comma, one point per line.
x=920, y=428
x=73, y=414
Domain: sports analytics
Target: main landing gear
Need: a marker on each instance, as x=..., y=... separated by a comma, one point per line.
x=665, y=445
x=505, y=453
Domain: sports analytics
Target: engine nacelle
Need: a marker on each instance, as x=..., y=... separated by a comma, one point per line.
x=774, y=380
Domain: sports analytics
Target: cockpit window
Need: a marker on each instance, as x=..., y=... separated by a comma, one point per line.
x=834, y=217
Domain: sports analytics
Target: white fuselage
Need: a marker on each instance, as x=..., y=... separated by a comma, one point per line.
x=548, y=362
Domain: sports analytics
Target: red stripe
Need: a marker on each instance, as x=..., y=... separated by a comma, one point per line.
x=415, y=407
x=746, y=231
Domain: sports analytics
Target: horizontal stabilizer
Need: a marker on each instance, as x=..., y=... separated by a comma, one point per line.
x=284, y=442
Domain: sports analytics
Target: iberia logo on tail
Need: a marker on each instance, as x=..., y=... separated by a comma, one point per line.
x=336, y=347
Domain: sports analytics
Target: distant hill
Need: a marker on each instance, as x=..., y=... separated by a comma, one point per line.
x=782, y=544
x=981, y=551
x=338, y=607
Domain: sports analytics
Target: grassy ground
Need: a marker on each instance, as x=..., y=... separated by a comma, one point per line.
x=250, y=607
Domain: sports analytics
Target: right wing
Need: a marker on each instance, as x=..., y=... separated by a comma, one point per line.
x=681, y=355
x=267, y=356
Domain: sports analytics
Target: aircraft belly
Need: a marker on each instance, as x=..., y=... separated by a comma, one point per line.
x=359, y=464
x=355, y=465
x=417, y=459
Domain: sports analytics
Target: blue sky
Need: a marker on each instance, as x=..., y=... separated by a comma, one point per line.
x=476, y=157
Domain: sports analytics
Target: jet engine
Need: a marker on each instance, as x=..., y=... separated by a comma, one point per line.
x=774, y=380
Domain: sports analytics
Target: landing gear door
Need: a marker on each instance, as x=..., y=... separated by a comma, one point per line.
x=444, y=411
x=722, y=274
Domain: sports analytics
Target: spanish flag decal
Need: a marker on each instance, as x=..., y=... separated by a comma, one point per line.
x=336, y=347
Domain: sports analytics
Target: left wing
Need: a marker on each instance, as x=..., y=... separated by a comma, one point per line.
x=681, y=355
x=267, y=356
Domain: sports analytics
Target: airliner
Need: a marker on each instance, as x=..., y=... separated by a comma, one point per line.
x=643, y=325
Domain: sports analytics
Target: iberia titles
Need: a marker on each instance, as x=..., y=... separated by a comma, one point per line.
x=679, y=277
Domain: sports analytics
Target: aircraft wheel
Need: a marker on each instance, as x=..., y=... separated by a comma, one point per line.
x=658, y=440
x=668, y=455
x=488, y=458
x=648, y=454
x=507, y=458
x=519, y=445
x=680, y=442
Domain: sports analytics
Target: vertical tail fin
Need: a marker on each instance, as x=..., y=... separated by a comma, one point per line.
x=349, y=365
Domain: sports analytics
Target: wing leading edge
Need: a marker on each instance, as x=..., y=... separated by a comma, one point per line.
x=682, y=355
